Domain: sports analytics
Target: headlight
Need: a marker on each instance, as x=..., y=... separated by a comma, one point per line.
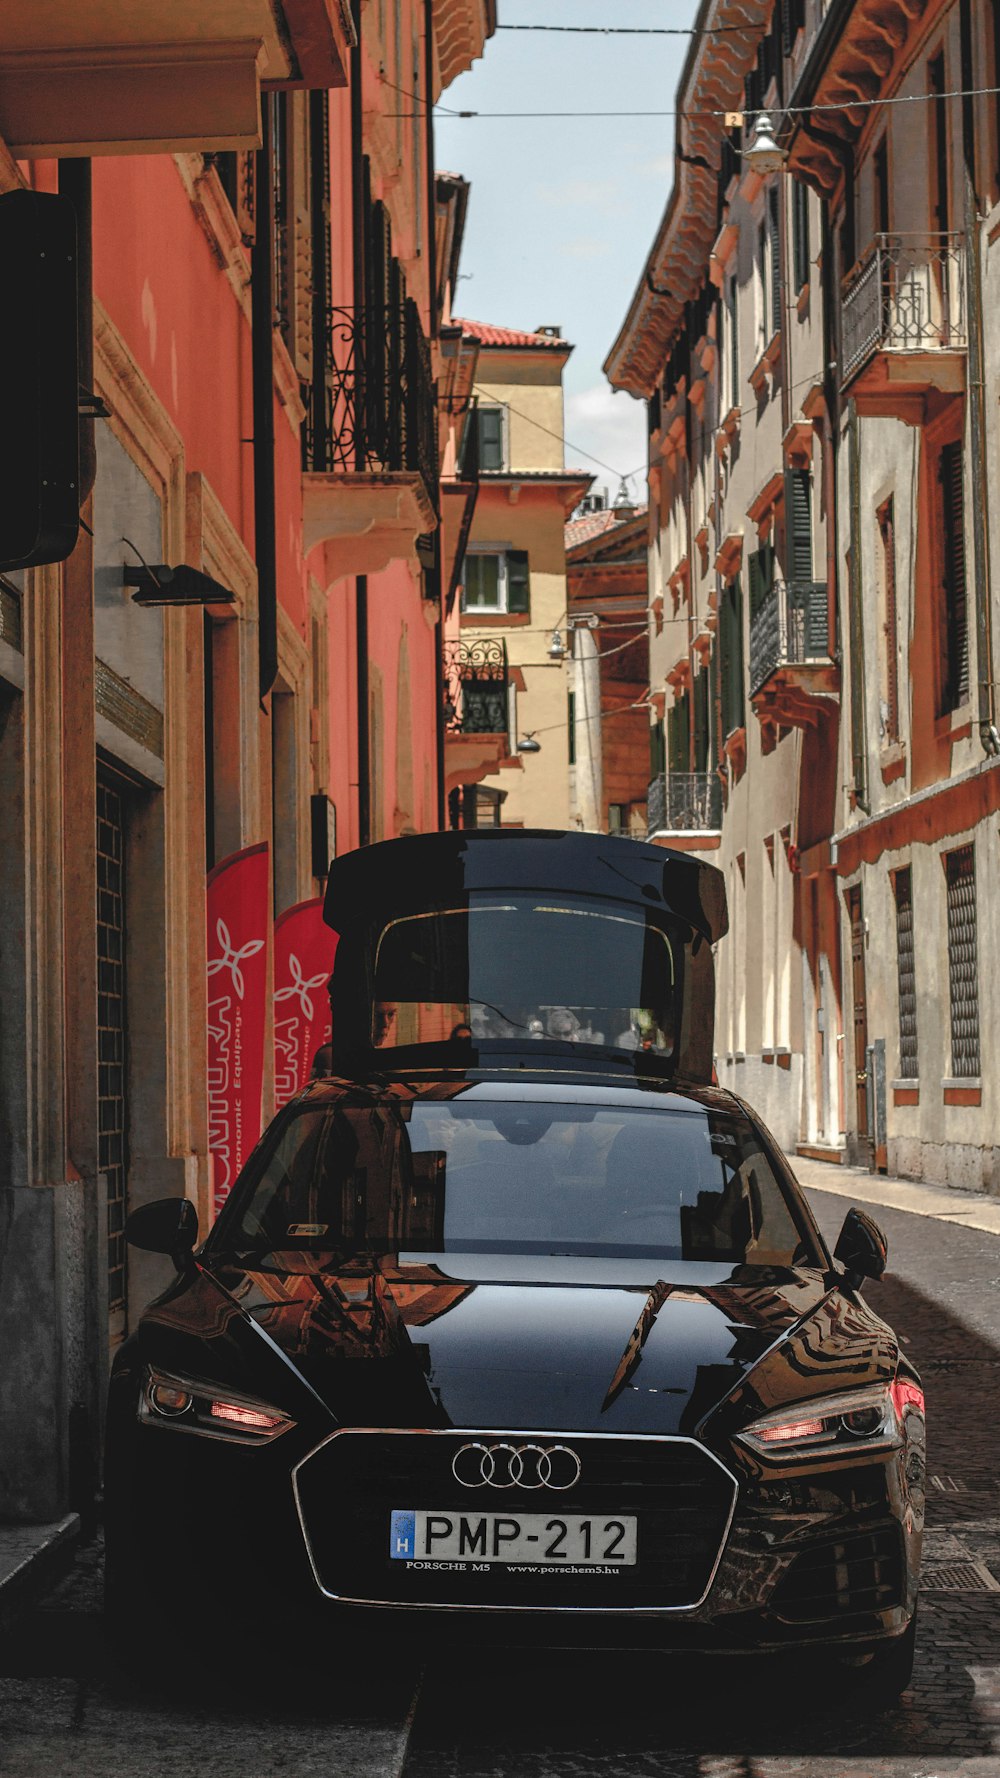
x=187, y=1406
x=861, y=1417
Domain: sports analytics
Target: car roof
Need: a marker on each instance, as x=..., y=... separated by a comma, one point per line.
x=516, y=1086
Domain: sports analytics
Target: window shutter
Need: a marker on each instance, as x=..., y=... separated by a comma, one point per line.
x=787, y=32
x=955, y=601
x=774, y=243
x=679, y=729
x=701, y=722
x=734, y=344
x=518, y=582
x=490, y=423
x=571, y=725
x=760, y=565
x=657, y=750
x=798, y=524
x=731, y=630
x=800, y=234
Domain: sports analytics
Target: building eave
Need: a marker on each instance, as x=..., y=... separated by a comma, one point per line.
x=711, y=84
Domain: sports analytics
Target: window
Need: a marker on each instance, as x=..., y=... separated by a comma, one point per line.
x=618, y=817
x=906, y=975
x=963, y=963
x=889, y=708
x=798, y=525
x=733, y=357
x=760, y=568
x=497, y=582
x=731, y=649
x=800, y=235
x=953, y=608
x=679, y=735
x=490, y=426
x=774, y=261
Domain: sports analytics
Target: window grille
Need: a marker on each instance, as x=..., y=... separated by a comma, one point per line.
x=906, y=975
x=963, y=967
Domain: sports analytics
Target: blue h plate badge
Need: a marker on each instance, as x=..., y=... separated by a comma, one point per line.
x=402, y=1536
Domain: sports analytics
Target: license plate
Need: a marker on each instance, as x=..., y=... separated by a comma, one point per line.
x=549, y=1540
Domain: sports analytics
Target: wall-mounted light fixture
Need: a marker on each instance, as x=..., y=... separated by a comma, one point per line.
x=157, y=584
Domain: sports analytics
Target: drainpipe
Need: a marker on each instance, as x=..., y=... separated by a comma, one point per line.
x=988, y=735
x=262, y=356
x=360, y=580
x=75, y=183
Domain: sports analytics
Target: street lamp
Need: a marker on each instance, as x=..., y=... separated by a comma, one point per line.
x=556, y=650
x=763, y=153
x=528, y=744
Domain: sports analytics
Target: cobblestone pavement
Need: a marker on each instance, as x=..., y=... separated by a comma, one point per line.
x=64, y=1707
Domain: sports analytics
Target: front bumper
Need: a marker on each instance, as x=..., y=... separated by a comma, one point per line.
x=821, y=1554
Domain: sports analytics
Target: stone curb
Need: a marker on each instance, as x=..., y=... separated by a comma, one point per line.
x=973, y=1210
x=32, y=1559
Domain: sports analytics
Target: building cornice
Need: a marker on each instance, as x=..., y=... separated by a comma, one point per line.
x=711, y=84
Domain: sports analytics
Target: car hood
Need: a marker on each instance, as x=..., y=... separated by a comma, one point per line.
x=557, y=1344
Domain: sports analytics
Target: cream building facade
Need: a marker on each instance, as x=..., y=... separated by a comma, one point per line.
x=514, y=578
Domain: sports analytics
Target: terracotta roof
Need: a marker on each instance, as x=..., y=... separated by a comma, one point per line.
x=593, y=524
x=489, y=335
x=590, y=525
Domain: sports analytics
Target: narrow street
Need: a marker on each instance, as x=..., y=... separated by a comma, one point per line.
x=64, y=1708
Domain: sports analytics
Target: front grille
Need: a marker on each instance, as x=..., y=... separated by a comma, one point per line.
x=682, y=1498
x=861, y=1573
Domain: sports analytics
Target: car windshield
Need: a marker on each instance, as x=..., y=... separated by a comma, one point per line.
x=474, y=1175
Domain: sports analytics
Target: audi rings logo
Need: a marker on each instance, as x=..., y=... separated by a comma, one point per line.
x=516, y=1466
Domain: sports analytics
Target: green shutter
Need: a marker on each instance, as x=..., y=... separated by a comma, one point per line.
x=731, y=637
x=490, y=423
x=774, y=242
x=571, y=725
x=701, y=722
x=678, y=736
x=800, y=234
x=518, y=582
x=798, y=524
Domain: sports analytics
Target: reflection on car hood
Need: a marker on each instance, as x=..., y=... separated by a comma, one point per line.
x=559, y=1344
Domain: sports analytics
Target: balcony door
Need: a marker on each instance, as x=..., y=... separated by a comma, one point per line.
x=860, y=999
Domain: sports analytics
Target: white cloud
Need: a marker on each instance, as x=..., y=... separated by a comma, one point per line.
x=611, y=426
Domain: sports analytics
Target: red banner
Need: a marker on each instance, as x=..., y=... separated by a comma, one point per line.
x=237, y=993
x=303, y=959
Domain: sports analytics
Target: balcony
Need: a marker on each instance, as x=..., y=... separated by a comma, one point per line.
x=684, y=803
x=370, y=482
x=903, y=322
x=476, y=709
x=793, y=681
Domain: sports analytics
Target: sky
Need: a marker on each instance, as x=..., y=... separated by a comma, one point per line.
x=563, y=211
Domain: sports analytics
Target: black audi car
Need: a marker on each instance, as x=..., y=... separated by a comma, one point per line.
x=515, y=1327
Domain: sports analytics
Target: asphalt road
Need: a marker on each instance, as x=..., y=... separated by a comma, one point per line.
x=66, y=1708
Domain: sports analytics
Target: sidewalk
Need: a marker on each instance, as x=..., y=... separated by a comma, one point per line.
x=974, y=1210
x=32, y=1559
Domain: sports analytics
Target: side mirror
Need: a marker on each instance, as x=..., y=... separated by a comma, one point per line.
x=168, y=1225
x=861, y=1248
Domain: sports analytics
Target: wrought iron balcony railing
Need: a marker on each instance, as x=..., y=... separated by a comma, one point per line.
x=790, y=628
x=684, y=802
x=906, y=295
x=375, y=408
x=475, y=677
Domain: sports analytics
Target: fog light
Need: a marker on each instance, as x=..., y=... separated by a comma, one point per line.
x=169, y=1400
